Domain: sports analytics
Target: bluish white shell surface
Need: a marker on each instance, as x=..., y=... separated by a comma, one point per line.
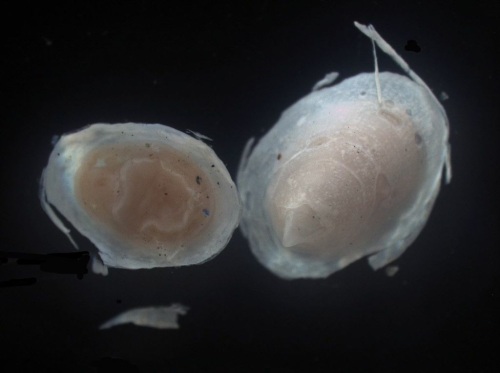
x=341, y=176
x=199, y=216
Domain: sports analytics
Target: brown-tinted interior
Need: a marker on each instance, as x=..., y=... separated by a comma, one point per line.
x=147, y=194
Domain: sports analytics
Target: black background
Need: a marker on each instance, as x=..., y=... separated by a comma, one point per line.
x=228, y=69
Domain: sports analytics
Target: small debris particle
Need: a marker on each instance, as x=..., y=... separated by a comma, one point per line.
x=412, y=46
x=198, y=180
x=278, y=157
x=418, y=138
x=391, y=270
x=47, y=41
x=206, y=212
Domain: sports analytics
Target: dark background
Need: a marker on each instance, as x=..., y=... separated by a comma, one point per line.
x=228, y=69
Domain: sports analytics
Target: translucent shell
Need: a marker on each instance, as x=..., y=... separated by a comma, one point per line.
x=146, y=195
x=343, y=175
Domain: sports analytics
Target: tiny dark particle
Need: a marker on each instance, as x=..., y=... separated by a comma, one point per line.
x=279, y=156
x=198, y=180
x=206, y=212
x=418, y=138
x=213, y=165
x=412, y=46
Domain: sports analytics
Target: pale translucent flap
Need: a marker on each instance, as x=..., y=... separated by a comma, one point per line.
x=159, y=317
